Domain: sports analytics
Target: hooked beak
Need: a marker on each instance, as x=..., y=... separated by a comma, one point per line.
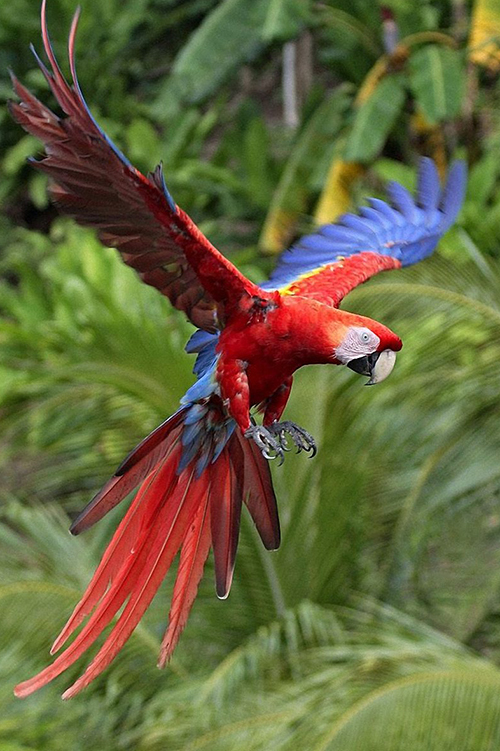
x=377, y=366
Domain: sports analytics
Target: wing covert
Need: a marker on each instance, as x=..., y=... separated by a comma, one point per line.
x=329, y=263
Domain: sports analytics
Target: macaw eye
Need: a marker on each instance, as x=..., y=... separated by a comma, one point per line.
x=365, y=337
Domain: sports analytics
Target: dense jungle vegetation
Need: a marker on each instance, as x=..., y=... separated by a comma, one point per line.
x=376, y=626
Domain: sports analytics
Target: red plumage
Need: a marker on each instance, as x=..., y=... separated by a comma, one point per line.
x=332, y=283
x=195, y=549
x=198, y=468
x=170, y=511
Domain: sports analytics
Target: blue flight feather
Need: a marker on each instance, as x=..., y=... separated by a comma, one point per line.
x=428, y=187
x=199, y=340
x=203, y=343
x=204, y=387
x=190, y=450
x=407, y=230
x=339, y=233
x=159, y=180
x=454, y=192
x=403, y=201
x=190, y=432
x=221, y=438
x=195, y=414
x=204, y=460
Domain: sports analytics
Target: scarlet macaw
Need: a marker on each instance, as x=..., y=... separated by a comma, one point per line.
x=196, y=468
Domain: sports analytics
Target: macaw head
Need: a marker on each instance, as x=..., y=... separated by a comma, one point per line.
x=367, y=347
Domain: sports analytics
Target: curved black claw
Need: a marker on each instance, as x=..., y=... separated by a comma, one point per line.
x=300, y=437
x=266, y=442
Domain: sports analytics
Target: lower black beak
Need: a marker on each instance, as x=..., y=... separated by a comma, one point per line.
x=364, y=365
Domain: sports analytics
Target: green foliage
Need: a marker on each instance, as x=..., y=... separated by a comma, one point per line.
x=228, y=36
x=234, y=33
x=67, y=358
x=437, y=81
x=285, y=18
x=305, y=162
x=465, y=714
x=375, y=120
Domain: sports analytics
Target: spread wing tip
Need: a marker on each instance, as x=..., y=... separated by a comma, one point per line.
x=158, y=178
x=454, y=192
x=400, y=232
x=428, y=185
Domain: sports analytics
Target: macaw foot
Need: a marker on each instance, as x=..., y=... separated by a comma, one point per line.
x=300, y=437
x=264, y=439
x=272, y=439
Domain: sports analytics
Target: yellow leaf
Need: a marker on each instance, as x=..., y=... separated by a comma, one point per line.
x=485, y=34
x=336, y=196
x=372, y=79
x=277, y=230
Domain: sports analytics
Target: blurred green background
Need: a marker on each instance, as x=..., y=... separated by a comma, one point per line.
x=376, y=626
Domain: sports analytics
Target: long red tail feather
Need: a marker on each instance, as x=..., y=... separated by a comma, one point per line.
x=172, y=511
x=225, y=511
x=120, y=546
x=133, y=564
x=258, y=493
x=170, y=529
x=138, y=465
x=194, y=553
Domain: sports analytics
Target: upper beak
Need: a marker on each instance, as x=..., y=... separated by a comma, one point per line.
x=377, y=366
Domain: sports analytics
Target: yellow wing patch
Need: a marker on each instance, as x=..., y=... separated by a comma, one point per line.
x=293, y=287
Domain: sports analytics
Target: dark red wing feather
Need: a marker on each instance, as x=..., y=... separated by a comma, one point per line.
x=94, y=183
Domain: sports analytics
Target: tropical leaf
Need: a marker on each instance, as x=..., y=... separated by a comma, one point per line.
x=451, y=710
x=72, y=307
x=375, y=119
x=431, y=138
x=257, y=163
x=436, y=78
x=348, y=23
x=233, y=33
x=335, y=197
x=372, y=79
x=285, y=18
x=290, y=196
x=296, y=678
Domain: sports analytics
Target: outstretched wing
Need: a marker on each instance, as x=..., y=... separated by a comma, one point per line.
x=94, y=183
x=331, y=262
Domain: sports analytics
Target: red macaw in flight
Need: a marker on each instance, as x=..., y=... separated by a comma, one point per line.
x=198, y=467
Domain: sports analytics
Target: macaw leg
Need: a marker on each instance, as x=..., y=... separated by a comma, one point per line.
x=274, y=409
x=300, y=437
x=234, y=389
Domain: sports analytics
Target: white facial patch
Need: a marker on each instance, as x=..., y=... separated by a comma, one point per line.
x=358, y=342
